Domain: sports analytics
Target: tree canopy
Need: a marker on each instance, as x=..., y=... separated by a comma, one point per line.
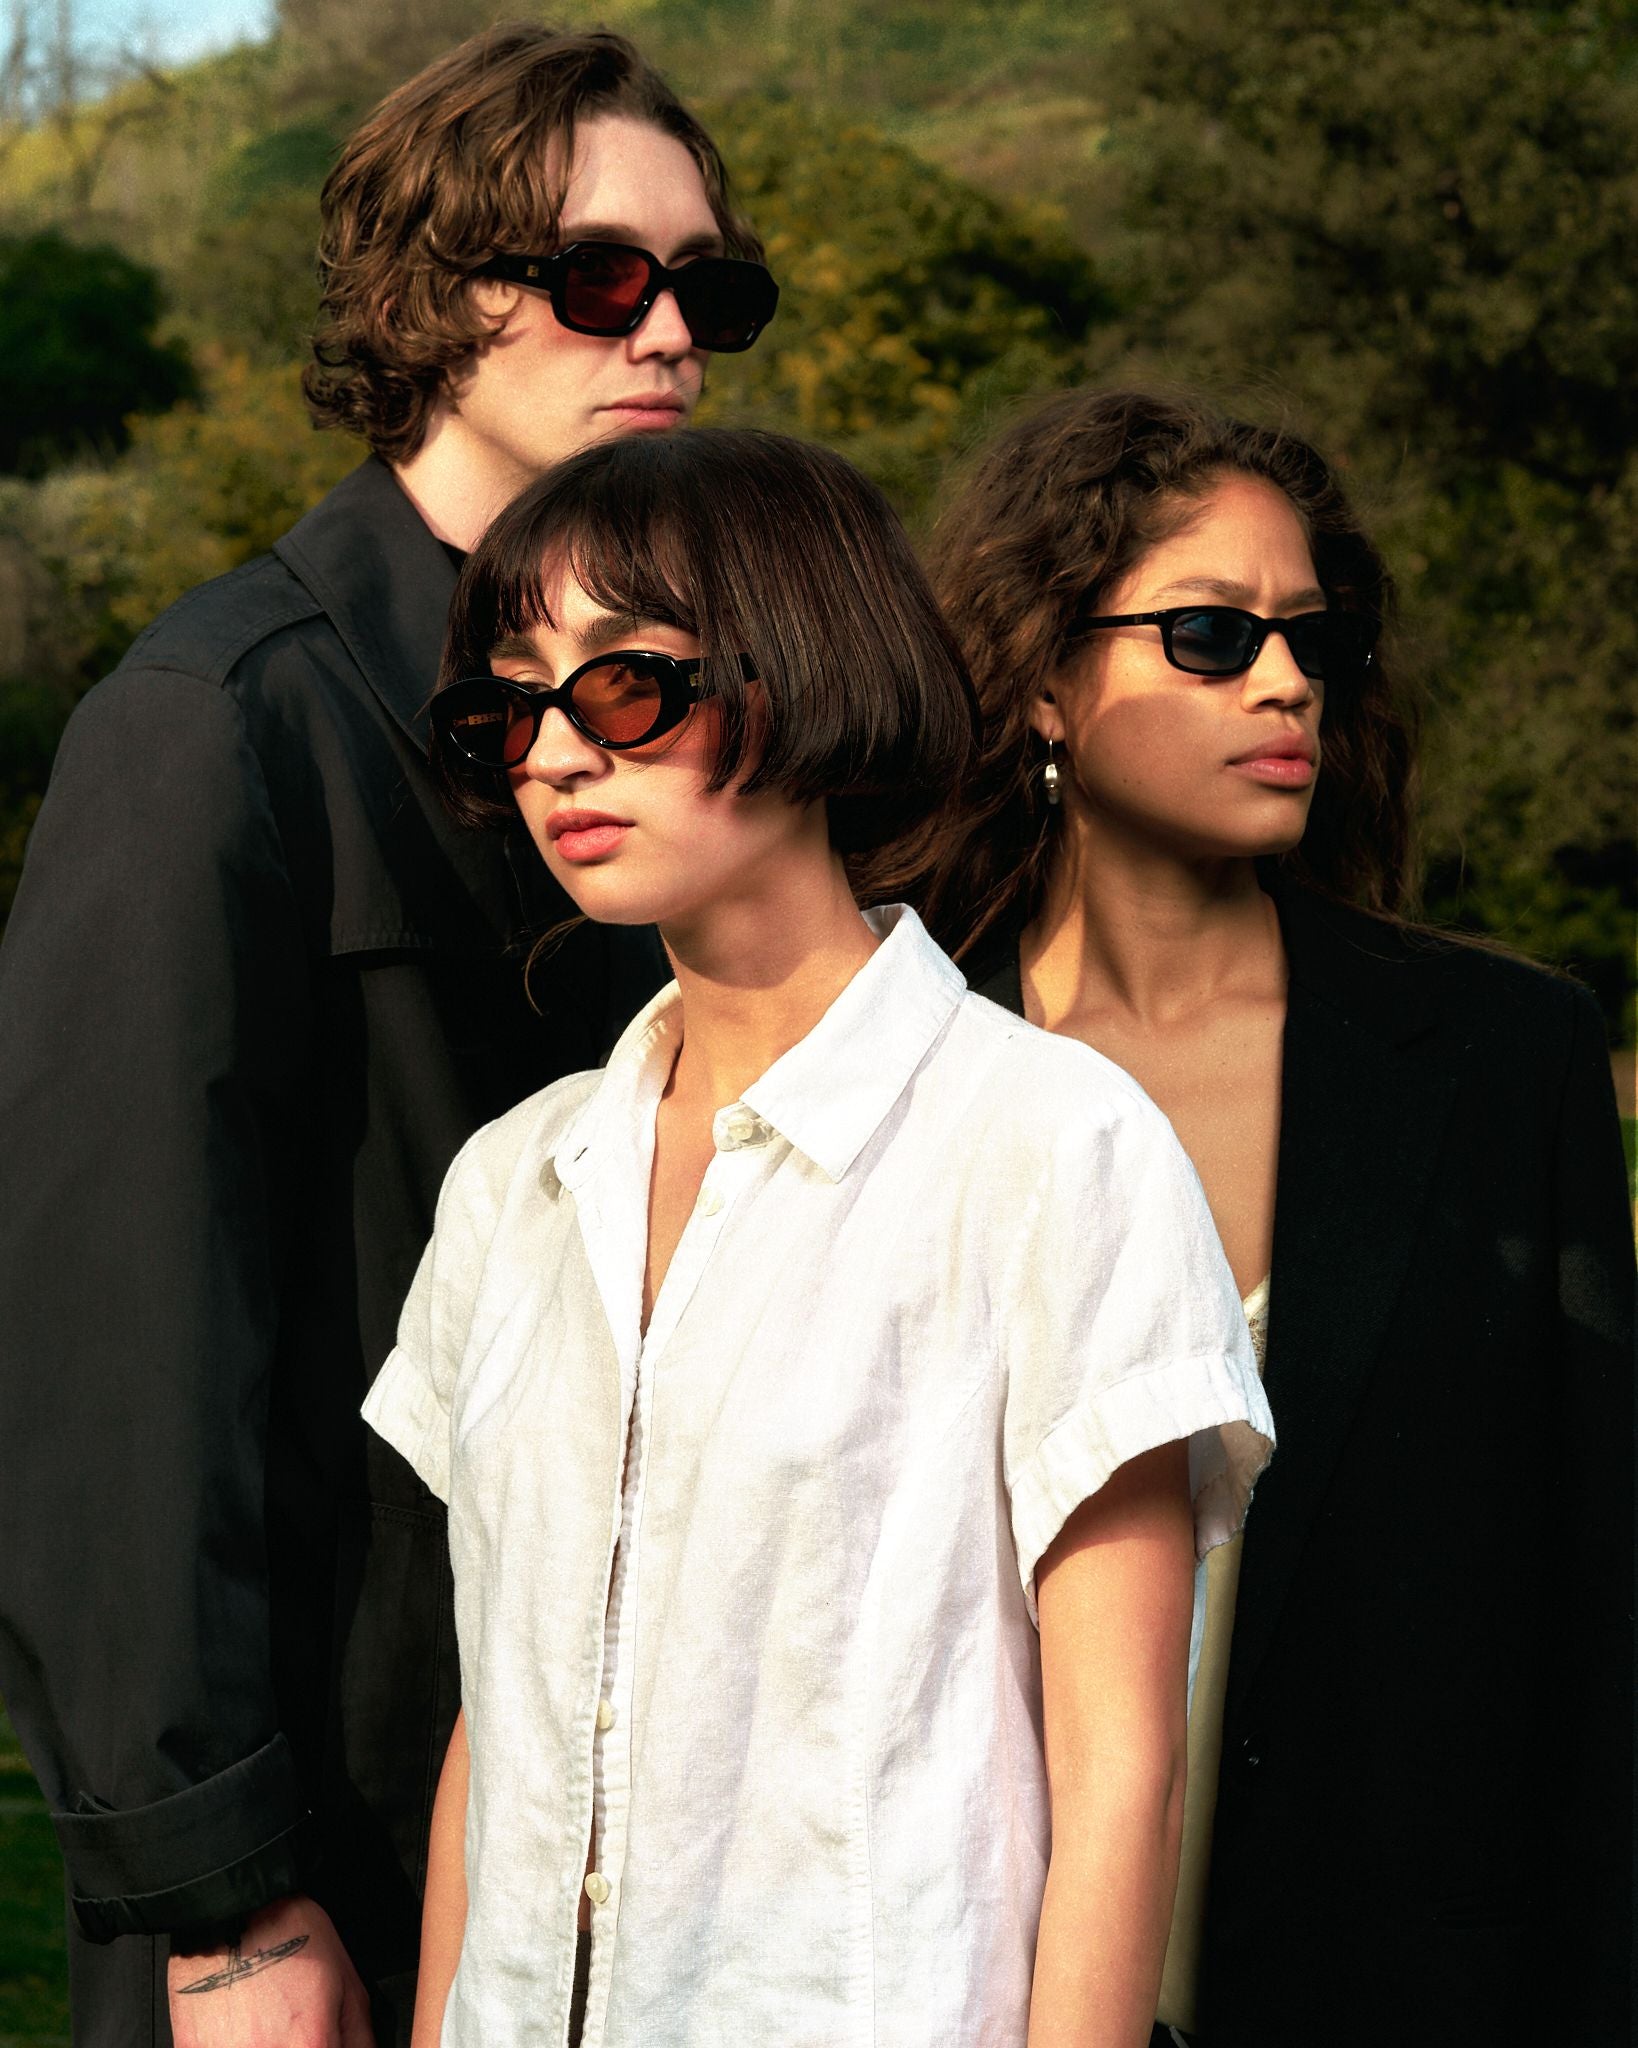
x=911, y=304
x=77, y=341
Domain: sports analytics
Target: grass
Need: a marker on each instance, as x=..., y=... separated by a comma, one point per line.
x=33, y=1959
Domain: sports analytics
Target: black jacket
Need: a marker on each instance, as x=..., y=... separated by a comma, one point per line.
x=1423, y=1832
x=255, y=992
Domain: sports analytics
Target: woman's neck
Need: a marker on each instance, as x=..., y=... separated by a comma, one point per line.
x=756, y=976
x=1145, y=931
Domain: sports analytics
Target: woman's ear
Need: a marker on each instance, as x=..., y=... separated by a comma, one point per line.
x=1046, y=715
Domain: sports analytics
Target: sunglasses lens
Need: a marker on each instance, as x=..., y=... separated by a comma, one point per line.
x=619, y=701
x=725, y=302
x=489, y=725
x=603, y=287
x=1212, y=641
x=1331, y=647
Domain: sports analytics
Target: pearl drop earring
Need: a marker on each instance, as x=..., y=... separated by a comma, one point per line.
x=1050, y=778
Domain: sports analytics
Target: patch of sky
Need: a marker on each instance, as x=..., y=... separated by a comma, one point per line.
x=181, y=30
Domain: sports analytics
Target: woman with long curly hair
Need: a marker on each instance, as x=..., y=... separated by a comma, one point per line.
x=1187, y=844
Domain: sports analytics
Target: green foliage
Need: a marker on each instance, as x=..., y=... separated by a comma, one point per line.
x=89, y=556
x=202, y=490
x=251, y=282
x=374, y=44
x=884, y=60
x=910, y=303
x=138, y=167
x=294, y=158
x=1006, y=94
x=77, y=339
x=1442, y=195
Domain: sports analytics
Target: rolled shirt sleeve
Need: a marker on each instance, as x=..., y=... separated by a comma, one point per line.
x=1124, y=1331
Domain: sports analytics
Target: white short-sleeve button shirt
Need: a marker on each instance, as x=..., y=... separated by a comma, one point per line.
x=748, y=1600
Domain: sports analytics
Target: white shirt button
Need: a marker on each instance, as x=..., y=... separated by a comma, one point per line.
x=597, y=1887
x=605, y=1716
x=738, y=1126
x=709, y=1202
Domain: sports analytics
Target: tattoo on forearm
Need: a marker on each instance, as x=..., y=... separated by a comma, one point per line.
x=238, y=1966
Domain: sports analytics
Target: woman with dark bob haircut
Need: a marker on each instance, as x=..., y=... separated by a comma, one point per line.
x=1186, y=846
x=830, y=1395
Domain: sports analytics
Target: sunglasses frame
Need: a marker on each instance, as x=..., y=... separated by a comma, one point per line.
x=679, y=691
x=550, y=274
x=1167, y=621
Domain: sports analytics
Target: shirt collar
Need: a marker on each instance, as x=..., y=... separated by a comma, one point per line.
x=829, y=1094
x=639, y=1064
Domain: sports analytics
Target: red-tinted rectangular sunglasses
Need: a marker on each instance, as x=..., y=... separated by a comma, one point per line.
x=607, y=288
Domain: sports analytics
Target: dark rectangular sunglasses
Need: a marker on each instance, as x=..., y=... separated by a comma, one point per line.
x=1221, y=640
x=607, y=288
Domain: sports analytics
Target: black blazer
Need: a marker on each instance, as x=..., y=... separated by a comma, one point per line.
x=255, y=992
x=1423, y=1834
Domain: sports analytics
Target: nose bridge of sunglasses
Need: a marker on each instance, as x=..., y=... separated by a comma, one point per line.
x=1284, y=658
x=655, y=298
x=524, y=713
x=561, y=738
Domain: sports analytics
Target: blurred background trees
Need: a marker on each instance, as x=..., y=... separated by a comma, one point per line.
x=77, y=340
x=1413, y=231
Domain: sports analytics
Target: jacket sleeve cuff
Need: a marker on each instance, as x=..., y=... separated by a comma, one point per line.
x=218, y=1850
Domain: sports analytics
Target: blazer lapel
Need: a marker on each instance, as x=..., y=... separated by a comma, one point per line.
x=1362, y=1114
x=370, y=560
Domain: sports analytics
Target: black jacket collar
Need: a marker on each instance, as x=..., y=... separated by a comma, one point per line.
x=370, y=560
x=1362, y=967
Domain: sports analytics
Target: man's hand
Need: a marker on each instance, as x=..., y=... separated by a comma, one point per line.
x=286, y=1983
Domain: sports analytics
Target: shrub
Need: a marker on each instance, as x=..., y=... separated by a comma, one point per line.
x=77, y=339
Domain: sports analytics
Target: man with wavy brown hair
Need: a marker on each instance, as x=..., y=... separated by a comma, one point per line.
x=255, y=992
